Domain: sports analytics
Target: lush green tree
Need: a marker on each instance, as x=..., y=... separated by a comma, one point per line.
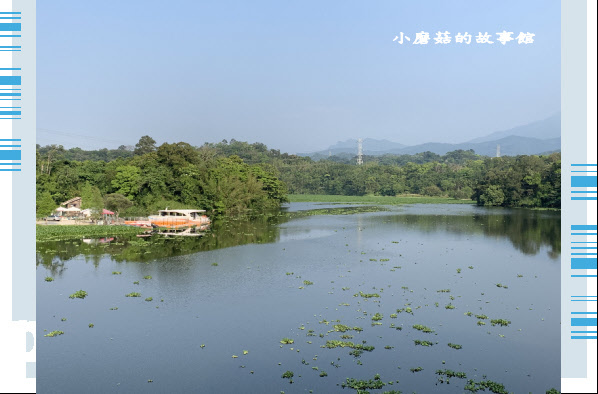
x=91, y=198
x=126, y=181
x=117, y=202
x=146, y=144
x=45, y=205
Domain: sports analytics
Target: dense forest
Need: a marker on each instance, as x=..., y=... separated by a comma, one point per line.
x=232, y=178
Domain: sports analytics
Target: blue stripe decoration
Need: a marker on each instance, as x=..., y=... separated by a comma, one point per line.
x=10, y=113
x=584, y=181
x=584, y=227
x=583, y=321
x=10, y=79
x=583, y=264
x=584, y=165
x=10, y=154
x=10, y=94
x=586, y=337
x=10, y=27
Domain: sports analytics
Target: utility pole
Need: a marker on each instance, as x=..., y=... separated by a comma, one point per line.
x=359, y=152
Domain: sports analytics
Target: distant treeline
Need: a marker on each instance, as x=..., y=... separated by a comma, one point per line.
x=237, y=177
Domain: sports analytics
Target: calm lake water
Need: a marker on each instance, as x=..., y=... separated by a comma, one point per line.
x=241, y=289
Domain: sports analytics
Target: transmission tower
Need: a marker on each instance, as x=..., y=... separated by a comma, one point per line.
x=497, y=150
x=359, y=151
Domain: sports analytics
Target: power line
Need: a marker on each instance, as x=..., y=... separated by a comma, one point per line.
x=81, y=136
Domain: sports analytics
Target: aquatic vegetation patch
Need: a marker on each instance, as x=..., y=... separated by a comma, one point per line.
x=500, y=322
x=481, y=323
x=422, y=343
x=149, y=299
x=331, y=344
x=377, y=316
x=214, y=264
x=481, y=317
x=133, y=294
x=288, y=375
x=451, y=374
x=366, y=295
x=54, y=333
x=91, y=325
x=443, y=291
x=60, y=233
x=287, y=341
x=422, y=328
x=147, y=277
x=344, y=328
x=323, y=374
x=493, y=387
x=501, y=285
x=116, y=272
x=417, y=369
x=308, y=282
x=371, y=384
x=455, y=346
x=49, y=279
x=449, y=306
x=79, y=294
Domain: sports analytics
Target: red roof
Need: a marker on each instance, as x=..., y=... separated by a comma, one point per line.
x=107, y=212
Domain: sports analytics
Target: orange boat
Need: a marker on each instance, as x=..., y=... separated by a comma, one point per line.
x=177, y=218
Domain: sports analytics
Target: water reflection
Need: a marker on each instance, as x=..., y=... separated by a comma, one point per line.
x=527, y=230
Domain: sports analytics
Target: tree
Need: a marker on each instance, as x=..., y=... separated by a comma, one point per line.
x=145, y=145
x=126, y=181
x=117, y=202
x=45, y=205
x=91, y=198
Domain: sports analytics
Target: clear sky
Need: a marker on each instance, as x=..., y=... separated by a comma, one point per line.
x=295, y=75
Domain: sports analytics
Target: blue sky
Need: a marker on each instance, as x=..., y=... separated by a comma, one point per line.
x=296, y=75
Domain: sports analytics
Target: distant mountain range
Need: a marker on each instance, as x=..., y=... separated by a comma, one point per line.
x=539, y=137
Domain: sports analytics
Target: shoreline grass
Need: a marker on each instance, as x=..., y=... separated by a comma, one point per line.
x=369, y=199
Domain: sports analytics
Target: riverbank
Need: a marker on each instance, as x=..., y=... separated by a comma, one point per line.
x=383, y=200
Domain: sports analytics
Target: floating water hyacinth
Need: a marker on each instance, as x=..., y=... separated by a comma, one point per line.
x=133, y=294
x=79, y=294
x=54, y=333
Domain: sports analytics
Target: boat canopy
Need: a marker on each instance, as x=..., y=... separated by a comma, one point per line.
x=180, y=212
